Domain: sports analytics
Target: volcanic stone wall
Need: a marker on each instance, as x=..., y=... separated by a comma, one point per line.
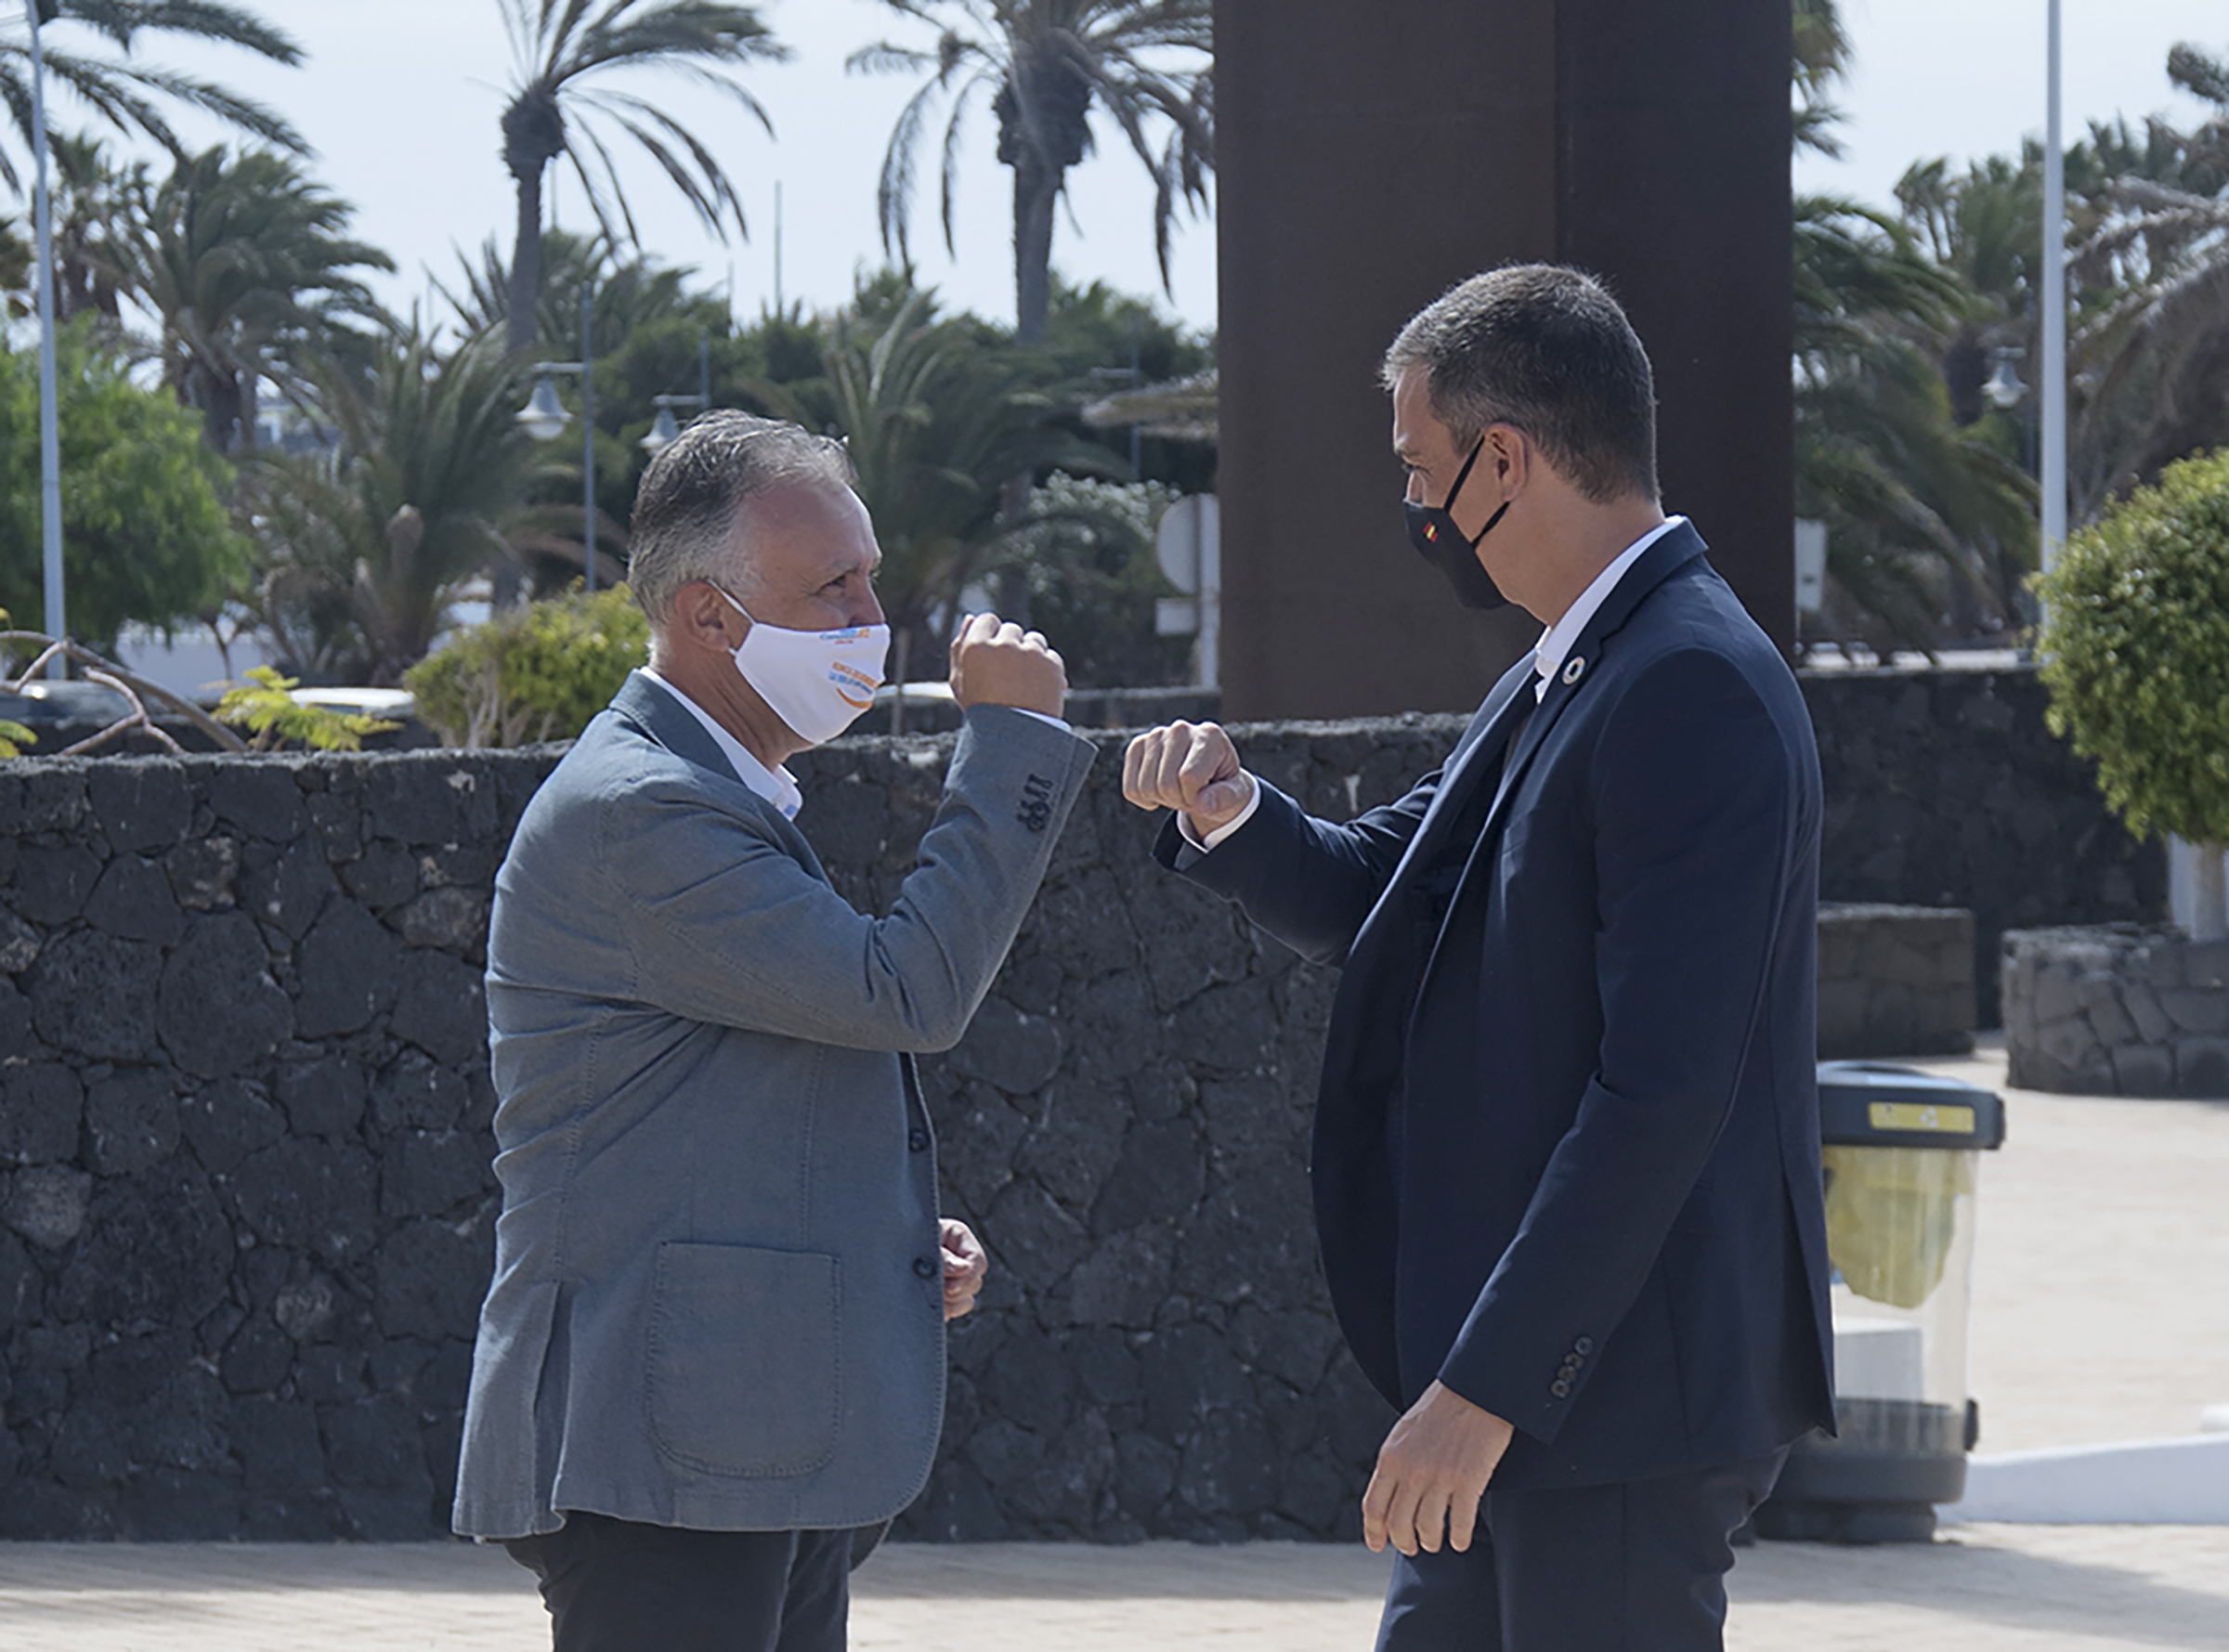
x=246, y=1212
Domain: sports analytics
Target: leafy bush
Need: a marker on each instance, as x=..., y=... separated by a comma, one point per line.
x=534, y=674
x=265, y=707
x=2135, y=647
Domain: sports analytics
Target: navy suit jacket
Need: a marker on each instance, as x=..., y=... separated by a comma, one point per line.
x=1567, y=1153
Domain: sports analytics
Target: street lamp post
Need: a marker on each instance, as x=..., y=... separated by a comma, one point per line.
x=663, y=429
x=2053, y=367
x=50, y=448
x=544, y=419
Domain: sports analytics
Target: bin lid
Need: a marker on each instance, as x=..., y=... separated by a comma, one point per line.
x=1867, y=1105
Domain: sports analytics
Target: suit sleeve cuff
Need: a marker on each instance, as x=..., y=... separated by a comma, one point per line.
x=1227, y=828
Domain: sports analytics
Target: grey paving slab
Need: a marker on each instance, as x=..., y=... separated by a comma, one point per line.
x=1991, y=1589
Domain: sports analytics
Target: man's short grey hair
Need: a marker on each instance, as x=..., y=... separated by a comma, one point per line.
x=685, y=510
x=1547, y=349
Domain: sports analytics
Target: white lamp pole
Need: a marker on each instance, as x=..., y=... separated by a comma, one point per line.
x=2053, y=367
x=50, y=447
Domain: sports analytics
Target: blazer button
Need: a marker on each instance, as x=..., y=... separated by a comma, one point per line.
x=918, y=1139
x=926, y=1268
x=1561, y=1389
x=1585, y=1345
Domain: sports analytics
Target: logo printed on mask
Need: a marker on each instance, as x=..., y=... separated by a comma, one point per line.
x=1459, y=556
x=815, y=682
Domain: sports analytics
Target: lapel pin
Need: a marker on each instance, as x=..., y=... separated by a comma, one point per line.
x=1573, y=672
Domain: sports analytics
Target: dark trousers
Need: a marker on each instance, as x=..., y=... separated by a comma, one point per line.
x=1633, y=1568
x=617, y=1586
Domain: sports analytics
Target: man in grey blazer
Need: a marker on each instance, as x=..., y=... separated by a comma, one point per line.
x=713, y=1346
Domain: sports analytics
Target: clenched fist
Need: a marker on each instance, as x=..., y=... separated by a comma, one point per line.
x=1191, y=768
x=998, y=663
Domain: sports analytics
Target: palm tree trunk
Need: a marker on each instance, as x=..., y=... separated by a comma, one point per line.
x=2209, y=893
x=525, y=264
x=1036, y=192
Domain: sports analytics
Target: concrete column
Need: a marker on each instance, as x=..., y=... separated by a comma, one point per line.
x=1367, y=160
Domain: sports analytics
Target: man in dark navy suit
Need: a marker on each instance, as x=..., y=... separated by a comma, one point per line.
x=1565, y=1160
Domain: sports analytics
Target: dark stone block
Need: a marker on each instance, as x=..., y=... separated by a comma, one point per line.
x=1230, y=1465
x=1314, y=1493
x=416, y=1092
x=447, y=1377
x=1145, y=1472
x=201, y=872
x=53, y=885
x=258, y=796
x=185, y=1425
x=1161, y=1174
x=156, y=1248
x=47, y=1203
x=443, y=1009
x=23, y=1290
x=323, y=1097
x=1031, y=1384
x=42, y=1104
x=131, y=1120
x=1075, y=1469
x=143, y=803
x=19, y=947
x=2197, y=1009
x=1105, y=1366
x=96, y=995
x=467, y=865
x=36, y=1393
x=453, y=919
x=292, y=1517
x=351, y=970
x=1011, y=1052
x=52, y=798
x=1077, y=1139
x=386, y=876
x=93, y=1448
x=1104, y=1023
x=307, y=1309
x=278, y=1446
x=1123, y=1282
x=310, y=1195
x=1190, y=1373
x=1092, y=921
x=227, y=1121
x=429, y=1278
x=338, y=820
x=259, y=1359
x=977, y=1134
x=45, y=1510
x=373, y=1442
x=219, y=1010
x=133, y=900
x=1031, y=1238
x=2202, y=1067
x=326, y=1373
x=431, y=798
x=290, y=892
x=396, y=1362
x=172, y=1505
x=425, y=1172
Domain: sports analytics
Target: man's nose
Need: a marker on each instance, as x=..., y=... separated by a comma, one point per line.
x=1414, y=490
x=868, y=610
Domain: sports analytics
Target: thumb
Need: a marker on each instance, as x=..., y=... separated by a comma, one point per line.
x=1223, y=797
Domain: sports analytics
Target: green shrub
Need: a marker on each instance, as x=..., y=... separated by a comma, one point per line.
x=534, y=674
x=2135, y=648
x=265, y=707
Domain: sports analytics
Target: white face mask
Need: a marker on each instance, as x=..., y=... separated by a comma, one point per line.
x=817, y=681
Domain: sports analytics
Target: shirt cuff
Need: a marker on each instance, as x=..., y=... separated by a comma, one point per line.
x=1042, y=716
x=1223, y=831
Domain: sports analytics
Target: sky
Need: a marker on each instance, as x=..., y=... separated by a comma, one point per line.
x=401, y=100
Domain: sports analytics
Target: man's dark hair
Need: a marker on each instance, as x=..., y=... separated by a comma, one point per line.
x=685, y=509
x=1547, y=350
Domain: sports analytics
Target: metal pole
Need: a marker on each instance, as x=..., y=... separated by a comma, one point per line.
x=2054, y=364
x=50, y=447
x=588, y=434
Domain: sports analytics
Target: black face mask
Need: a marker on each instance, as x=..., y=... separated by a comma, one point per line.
x=1433, y=531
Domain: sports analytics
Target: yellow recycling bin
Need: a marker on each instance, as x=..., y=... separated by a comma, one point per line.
x=1900, y=1151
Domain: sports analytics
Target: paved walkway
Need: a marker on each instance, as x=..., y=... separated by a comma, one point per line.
x=2100, y=1314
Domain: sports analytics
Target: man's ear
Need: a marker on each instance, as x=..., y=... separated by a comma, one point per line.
x=703, y=620
x=1510, y=456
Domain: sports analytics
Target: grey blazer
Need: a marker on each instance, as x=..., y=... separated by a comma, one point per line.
x=717, y=1301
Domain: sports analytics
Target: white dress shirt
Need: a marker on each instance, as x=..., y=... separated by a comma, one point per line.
x=776, y=786
x=1548, y=658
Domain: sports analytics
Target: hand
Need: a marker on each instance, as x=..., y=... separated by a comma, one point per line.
x=1190, y=767
x=1000, y=664
x=965, y=1264
x=1431, y=1471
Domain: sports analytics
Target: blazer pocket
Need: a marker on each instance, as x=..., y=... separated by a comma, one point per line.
x=744, y=1376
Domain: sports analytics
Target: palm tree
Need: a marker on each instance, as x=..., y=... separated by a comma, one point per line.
x=129, y=94
x=560, y=44
x=1045, y=64
x=365, y=546
x=247, y=264
x=935, y=423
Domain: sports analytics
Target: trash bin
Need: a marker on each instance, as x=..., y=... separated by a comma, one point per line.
x=1900, y=1154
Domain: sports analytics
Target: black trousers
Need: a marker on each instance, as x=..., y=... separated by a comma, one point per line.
x=1633, y=1568
x=617, y=1586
